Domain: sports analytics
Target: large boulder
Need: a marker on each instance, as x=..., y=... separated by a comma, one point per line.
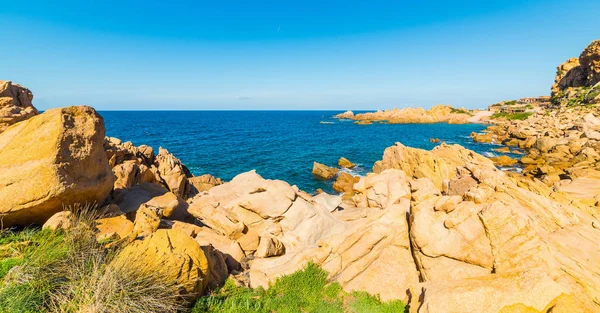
x=171, y=256
x=15, y=104
x=51, y=161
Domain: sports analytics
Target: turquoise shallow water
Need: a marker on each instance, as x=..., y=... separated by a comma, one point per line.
x=277, y=144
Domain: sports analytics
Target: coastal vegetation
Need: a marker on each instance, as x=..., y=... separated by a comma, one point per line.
x=511, y=116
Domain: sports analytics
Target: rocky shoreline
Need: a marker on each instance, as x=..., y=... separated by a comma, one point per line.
x=443, y=230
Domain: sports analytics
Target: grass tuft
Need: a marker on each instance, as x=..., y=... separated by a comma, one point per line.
x=67, y=272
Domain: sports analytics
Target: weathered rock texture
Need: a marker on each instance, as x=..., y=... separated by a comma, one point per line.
x=445, y=230
x=50, y=161
x=15, y=104
x=171, y=256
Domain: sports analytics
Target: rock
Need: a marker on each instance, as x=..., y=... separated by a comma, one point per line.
x=172, y=257
x=345, y=182
x=323, y=172
x=202, y=183
x=173, y=174
x=590, y=63
x=486, y=294
x=50, y=161
x=61, y=220
x=345, y=163
x=503, y=150
x=504, y=160
x=346, y=115
x=544, y=144
x=189, y=229
x=269, y=247
x=15, y=104
x=169, y=206
x=382, y=190
x=460, y=185
x=146, y=222
x=436, y=114
x=118, y=227
x=568, y=74
x=234, y=255
x=130, y=173
x=130, y=199
x=327, y=201
x=217, y=267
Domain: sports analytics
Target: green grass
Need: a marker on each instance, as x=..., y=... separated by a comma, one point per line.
x=307, y=290
x=512, y=116
x=460, y=111
x=34, y=252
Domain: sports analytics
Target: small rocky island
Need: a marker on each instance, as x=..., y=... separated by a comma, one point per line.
x=442, y=230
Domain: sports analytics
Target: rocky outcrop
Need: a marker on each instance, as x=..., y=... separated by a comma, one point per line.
x=51, y=161
x=576, y=80
x=346, y=115
x=15, y=104
x=437, y=114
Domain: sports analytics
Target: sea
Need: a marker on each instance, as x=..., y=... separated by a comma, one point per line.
x=277, y=144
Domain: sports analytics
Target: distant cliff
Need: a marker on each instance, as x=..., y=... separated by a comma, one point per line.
x=578, y=79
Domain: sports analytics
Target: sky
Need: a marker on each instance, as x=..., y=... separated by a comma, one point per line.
x=288, y=55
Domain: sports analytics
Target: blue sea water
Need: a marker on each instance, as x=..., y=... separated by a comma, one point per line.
x=277, y=144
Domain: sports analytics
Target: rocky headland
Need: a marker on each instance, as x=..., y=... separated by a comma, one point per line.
x=437, y=114
x=444, y=230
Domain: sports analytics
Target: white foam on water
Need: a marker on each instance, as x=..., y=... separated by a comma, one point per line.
x=489, y=154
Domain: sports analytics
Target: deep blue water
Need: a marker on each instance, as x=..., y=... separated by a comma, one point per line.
x=278, y=144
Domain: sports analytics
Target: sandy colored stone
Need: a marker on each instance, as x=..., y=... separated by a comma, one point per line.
x=323, y=172
x=146, y=221
x=344, y=183
x=504, y=160
x=269, y=247
x=117, y=227
x=172, y=173
x=202, y=183
x=61, y=220
x=15, y=104
x=50, y=161
x=171, y=255
x=345, y=163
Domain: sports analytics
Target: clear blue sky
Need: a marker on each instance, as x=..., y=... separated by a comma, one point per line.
x=288, y=54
